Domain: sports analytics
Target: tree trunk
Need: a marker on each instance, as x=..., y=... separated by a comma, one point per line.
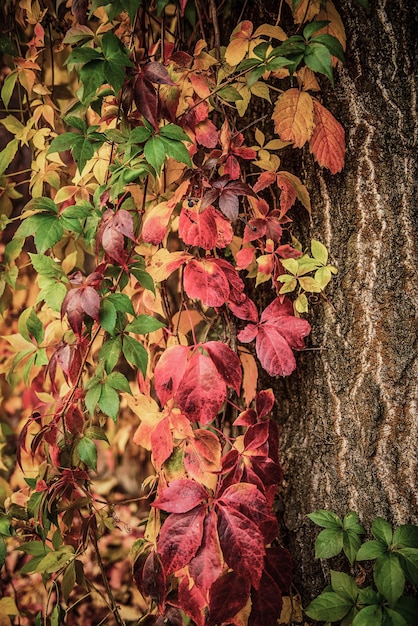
x=348, y=414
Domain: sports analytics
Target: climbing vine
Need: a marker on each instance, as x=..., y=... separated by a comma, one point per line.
x=150, y=208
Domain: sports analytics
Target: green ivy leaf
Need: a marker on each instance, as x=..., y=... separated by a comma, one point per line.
x=68, y=581
x=8, y=154
x=87, y=451
x=318, y=58
x=135, y=353
x=3, y=552
x=409, y=561
x=371, y=550
x=389, y=577
x=320, y=253
x=177, y=151
x=329, y=607
x=369, y=616
x=93, y=395
x=144, y=324
x=121, y=302
x=406, y=536
x=390, y=616
x=109, y=401
x=172, y=131
x=326, y=519
x=329, y=543
x=351, y=544
x=107, y=315
x=344, y=586
x=332, y=44
x=313, y=27
x=230, y=94
x=118, y=381
x=382, y=530
x=110, y=352
x=154, y=151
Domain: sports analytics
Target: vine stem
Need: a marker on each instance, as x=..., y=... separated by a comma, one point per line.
x=216, y=32
x=112, y=602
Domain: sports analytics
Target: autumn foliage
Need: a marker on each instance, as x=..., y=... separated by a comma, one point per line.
x=156, y=209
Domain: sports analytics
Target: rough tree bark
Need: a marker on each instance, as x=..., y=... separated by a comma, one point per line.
x=348, y=414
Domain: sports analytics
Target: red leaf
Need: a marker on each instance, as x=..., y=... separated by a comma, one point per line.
x=156, y=73
x=198, y=229
x=293, y=329
x=153, y=577
x=180, y=538
x=79, y=10
x=169, y=371
x=275, y=354
x=248, y=333
x=242, y=543
x=264, y=180
x=183, y=4
x=111, y=234
x=327, y=142
x=77, y=303
x=246, y=310
x=181, y=496
x=226, y=362
x=191, y=600
x=246, y=418
x=206, y=566
x=146, y=100
x=206, y=281
x=224, y=230
x=202, y=391
x=276, y=580
x=228, y=595
x=255, y=229
x=245, y=257
x=202, y=456
x=249, y=501
x=288, y=194
x=256, y=439
x=161, y=442
x=74, y=419
x=237, y=287
x=207, y=134
x=264, y=402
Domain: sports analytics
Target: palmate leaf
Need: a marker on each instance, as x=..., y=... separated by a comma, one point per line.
x=180, y=538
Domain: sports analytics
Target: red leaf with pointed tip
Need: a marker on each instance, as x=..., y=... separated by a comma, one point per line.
x=288, y=195
x=169, y=371
x=198, y=229
x=242, y=543
x=153, y=577
x=249, y=501
x=275, y=354
x=161, y=442
x=156, y=73
x=248, y=333
x=202, y=391
x=328, y=141
x=181, y=496
x=146, y=100
x=237, y=287
x=206, y=566
x=180, y=538
x=245, y=257
x=264, y=180
x=77, y=303
x=111, y=234
x=183, y=4
x=123, y=223
x=264, y=402
x=232, y=168
x=74, y=419
x=191, y=601
x=276, y=580
x=207, y=134
x=228, y=595
x=226, y=362
x=255, y=229
x=246, y=418
x=224, y=230
x=246, y=310
x=256, y=439
x=202, y=456
x=206, y=281
x=293, y=329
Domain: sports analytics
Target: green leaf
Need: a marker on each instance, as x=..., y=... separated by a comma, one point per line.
x=3, y=552
x=329, y=607
x=92, y=76
x=351, y=544
x=143, y=278
x=309, y=284
x=94, y=432
x=63, y=142
x=329, y=543
x=83, y=54
x=154, y=151
x=92, y=397
x=320, y=253
x=392, y=617
x=34, y=548
x=382, y=530
x=110, y=352
x=68, y=581
x=46, y=266
x=389, y=577
x=107, y=316
x=409, y=562
x=172, y=131
x=52, y=292
x=371, y=550
x=135, y=353
x=326, y=519
x=318, y=58
x=49, y=231
x=118, y=381
x=177, y=151
x=8, y=88
x=121, y=302
x=141, y=134
x=344, y=586
x=369, y=616
x=229, y=93
x=313, y=27
x=82, y=152
x=332, y=44
x=368, y=596
x=109, y=401
x=144, y=324
x=408, y=608
x=87, y=451
x=8, y=154
x=54, y=561
x=406, y=536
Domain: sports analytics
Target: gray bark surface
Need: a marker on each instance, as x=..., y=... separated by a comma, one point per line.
x=349, y=413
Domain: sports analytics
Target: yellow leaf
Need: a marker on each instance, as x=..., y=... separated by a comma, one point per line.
x=306, y=10
x=261, y=90
x=8, y=606
x=164, y=263
x=259, y=137
x=275, y=32
x=307, y=79
x=294, y=117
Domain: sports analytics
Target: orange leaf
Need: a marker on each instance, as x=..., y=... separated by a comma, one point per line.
x=328, y=142
x=284, y=179
x=239, y=44
x=293, y=117
x=250, y=376
x=306, y=10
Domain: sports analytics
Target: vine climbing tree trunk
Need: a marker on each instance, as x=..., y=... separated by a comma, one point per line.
x=348, y=414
